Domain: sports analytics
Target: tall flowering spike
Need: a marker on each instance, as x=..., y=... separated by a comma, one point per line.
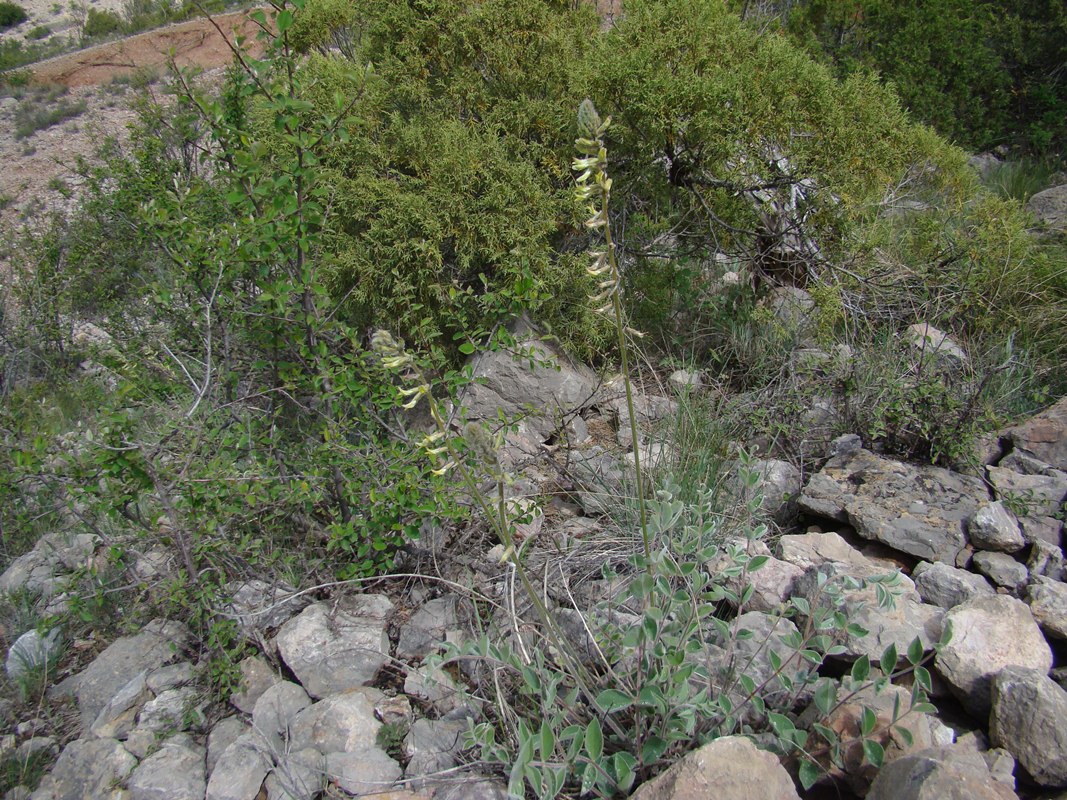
x=481, y=444
x=588, y=120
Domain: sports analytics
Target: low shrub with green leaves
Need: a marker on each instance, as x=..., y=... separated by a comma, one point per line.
x=11, y=14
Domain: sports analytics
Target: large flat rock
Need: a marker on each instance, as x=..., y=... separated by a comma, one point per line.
x=922, y=511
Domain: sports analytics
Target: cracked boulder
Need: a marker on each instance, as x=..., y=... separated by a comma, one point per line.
x=922, y=511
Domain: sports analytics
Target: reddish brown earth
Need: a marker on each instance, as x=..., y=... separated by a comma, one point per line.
x=198, y=43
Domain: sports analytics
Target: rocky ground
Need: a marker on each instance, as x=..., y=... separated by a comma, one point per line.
x=341, y=699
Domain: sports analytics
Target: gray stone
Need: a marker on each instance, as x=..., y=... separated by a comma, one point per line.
x=32, y=651
x=891, y=709
x=752, y=654
x=1044, y=435
x=1048, y=603
x=549, y=388
x=732, y=765
x=807, y=550
x=1001, y=765
x=1040, y=495
x=87, y=769
x=425, y=631
x=989, y=633
x=436, y=688
x=256, y=677
x=931, y=341
x=1029, y=719
x=365, y=771
x=116, y=719
x=939, y=773
x=900, y=625
x=258, y=606
x=226, y=732
x=41, y=571
x=140, y=742
x=985, y=164
x=470, y=787
x=600, y=479
x=1002, y=569
x=277, y=708
x=647, y=409
x=174, y=772
x=1042, y=529
x=158, y=644
x=298, y=776
x=918, y=510
x=431, y=746
x=170, y=677
x=772, y=584
x=173, y=710
x=792, y=306
x=334, y=647
x=1050, y=207
x=686, y=380
x=780, y=484
x=339, y=723
x=947, y=586
x=240, y=770
x=1023, y=462
x=1046, y=561
x=995, y=528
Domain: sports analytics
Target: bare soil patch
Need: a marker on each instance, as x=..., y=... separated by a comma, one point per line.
x=197, y=43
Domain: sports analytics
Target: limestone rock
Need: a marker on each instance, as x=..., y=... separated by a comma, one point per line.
x=1041, y=495
x=470, y=787
x=1002, y=569
x=171, y=676
x=174, y=772
x=686, y=380
x=331, y=650
x=647, y=409
x=158, y=644
x=277, y=707
x=434, y=687
x=1050, y=207
x=258, y=606
x=256, y=677
x=339, y=723
x=116, y=719
x=174, y=709
x=731, y=767
x=240, y=770
x=32, y=651
x=809, y=550
x=431, y=746
x=1044, y=435
x=226, y=732
x=900, y=625
x=931, y=341
x=425, y=631
x=780, y=484
x=364, y=771
x=947, y=586
x=921, y=511
x=888, y=706
x=298, y=776
x=995, y=528
x=41, y=571
x=87, y=769
x=989, y=633
x=1048, y=603
x=552, y=386
x=1029, y=719
x=939, y=773
x=1046, y=561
